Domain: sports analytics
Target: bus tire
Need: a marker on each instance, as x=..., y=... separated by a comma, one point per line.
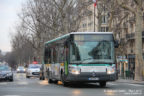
x=65, y=84
x=40, y=78
x=11, y=80
x=103, y=84
x=27, y=76
x=48, y=75
x=50, y=81
x=63, y=81
x=43, y=78
x=56, y=81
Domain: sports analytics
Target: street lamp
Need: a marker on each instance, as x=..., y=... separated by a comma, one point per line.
x=95, y=3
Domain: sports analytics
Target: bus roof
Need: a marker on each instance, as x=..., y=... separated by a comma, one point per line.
x=67, y=35
x=91, y=33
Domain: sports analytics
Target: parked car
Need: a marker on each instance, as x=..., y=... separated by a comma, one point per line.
x=33, y=70
x=6, y=73
x=21, y=69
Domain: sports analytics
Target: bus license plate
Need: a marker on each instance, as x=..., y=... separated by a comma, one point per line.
x=93, y=78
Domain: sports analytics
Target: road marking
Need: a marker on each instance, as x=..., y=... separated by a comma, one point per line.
x=3, y=83
x=22, y=83
x=135, y=84
x=112, y=84
x=11, y=95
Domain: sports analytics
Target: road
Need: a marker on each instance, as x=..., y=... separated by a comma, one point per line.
x=34, y=87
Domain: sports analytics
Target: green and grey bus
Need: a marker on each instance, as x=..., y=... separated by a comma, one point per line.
x=81, y=57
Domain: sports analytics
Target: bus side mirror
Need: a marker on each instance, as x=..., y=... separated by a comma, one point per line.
x=116, y=43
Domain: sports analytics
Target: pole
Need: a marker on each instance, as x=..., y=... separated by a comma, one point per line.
x=94, y=18
x=95, y=3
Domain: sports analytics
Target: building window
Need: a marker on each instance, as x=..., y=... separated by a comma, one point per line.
x=104, y=19
x=104, y=29
x=84, y=25
x=143, y=16
x=89, y=24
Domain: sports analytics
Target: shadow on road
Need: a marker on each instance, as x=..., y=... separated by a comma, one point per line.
x=86, y=85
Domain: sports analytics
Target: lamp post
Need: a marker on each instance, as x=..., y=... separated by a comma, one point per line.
x=95, y=3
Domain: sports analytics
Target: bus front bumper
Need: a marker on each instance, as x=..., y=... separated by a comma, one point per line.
x=90, y=77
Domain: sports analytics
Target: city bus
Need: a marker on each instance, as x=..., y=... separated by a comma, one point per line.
x=81, y=57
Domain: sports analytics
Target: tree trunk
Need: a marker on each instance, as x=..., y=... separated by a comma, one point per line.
x=138, y=45
x=99, y=22
x=110, y=22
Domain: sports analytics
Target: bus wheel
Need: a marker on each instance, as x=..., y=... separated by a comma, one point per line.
x=63, y=81
x=103, y=84
x=65, y=84
x=56, y=81
x=50, y=81
x=40, y=78
x=43, y=78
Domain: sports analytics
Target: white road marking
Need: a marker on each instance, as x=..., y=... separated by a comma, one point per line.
x=111, y=84
x=11, y=95
x=22, y=83
x=3, y=83
x=135, y=84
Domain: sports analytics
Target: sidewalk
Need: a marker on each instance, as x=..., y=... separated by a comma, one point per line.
x=130, y=81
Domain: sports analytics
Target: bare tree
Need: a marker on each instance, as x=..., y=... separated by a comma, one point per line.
x=43, y=20
x=22, y=49
x=119, y=12
x=136, y=8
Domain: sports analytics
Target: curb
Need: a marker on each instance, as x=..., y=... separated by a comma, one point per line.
x=131, y=82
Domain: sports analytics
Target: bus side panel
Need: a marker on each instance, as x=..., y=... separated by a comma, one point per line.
x=46, y=69
x=61, y=69
x=56, y=68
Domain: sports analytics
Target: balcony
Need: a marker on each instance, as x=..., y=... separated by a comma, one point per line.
x=122, y=40
x=143, y=34
x=132, y=19
x=131, y=36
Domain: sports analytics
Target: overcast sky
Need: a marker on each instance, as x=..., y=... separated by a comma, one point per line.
x=8, y=17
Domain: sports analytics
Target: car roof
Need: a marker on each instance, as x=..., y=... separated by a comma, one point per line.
x=20, y=66
x=35, y=64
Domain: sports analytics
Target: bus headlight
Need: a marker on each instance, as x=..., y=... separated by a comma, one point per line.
x=74, y=70
x=111, y=70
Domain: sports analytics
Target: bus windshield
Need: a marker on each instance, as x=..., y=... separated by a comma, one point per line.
x=92, y=52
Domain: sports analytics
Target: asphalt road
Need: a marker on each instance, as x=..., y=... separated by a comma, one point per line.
x=34, y=87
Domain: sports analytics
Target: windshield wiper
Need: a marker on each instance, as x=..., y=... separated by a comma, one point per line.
x=87, y=59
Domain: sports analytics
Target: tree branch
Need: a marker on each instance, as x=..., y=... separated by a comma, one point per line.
x=127, y=7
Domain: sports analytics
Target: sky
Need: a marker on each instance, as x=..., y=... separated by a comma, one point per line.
x=8, y=18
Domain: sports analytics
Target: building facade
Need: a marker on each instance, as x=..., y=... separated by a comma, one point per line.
x=125, y=34
x=91, y=19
